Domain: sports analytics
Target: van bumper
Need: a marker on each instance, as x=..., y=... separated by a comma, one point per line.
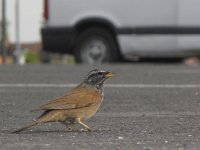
x=57, y=39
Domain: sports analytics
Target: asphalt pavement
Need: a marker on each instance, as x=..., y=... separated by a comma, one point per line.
x=145, y=107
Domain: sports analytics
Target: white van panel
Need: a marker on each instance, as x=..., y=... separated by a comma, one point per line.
x=124, y=12
x=188, y=12
x=147, y=43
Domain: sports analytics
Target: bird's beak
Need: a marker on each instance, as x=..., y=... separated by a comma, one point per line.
x=110, y=74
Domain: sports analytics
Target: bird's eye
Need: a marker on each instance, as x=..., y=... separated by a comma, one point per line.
x=100, y=73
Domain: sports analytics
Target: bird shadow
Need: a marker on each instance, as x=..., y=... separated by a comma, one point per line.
x=79, y=131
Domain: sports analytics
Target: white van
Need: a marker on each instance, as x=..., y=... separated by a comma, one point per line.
x=97, y=31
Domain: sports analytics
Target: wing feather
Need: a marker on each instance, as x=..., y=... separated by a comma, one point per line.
x=76, y=98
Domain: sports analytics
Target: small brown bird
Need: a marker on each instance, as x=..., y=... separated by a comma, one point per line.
x=77, y=105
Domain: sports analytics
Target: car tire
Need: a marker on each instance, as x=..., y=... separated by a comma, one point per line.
x=95, y=46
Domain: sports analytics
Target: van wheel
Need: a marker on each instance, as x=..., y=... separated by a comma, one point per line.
x=96, y=46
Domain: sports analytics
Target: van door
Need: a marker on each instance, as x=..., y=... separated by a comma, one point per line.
x=156, y=19
x=153, y=12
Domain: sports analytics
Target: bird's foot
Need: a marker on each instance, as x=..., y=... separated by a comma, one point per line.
x=83, y=124
x=89, y=129
x=86, y=130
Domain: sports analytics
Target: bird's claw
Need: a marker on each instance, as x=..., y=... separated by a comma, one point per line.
x=86, y=130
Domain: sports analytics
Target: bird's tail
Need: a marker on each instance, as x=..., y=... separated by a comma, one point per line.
x=26, y=126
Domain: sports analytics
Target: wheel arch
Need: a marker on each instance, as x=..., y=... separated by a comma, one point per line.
x=95, y=22
x=86, y=23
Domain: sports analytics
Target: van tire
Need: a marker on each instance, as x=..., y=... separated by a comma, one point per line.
x=95, y=46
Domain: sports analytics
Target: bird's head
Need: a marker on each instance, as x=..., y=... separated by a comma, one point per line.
x=97, y=77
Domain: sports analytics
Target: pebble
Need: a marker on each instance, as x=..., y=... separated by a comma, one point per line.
x=120, y=137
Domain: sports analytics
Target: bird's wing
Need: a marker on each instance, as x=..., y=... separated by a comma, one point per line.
x=76, y=98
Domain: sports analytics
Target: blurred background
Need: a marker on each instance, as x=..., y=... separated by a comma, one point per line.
x=26, y=17
x=68, y=32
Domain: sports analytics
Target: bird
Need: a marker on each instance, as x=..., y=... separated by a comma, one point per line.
x=77, y=105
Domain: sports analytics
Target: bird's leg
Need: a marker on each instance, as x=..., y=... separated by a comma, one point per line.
x=80, y=122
